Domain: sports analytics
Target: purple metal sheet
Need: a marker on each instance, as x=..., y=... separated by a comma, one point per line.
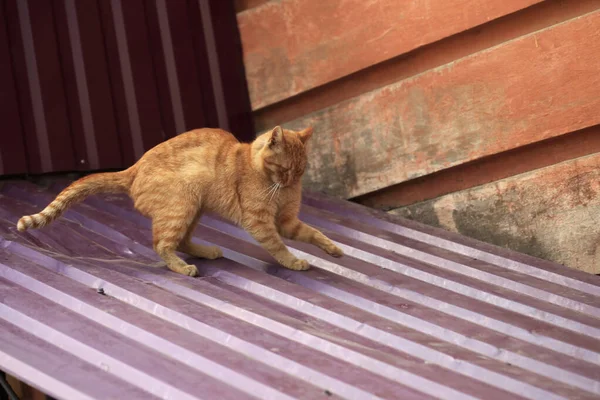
x=412, y=312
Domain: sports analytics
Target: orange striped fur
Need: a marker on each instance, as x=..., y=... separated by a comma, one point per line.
x=256, y=186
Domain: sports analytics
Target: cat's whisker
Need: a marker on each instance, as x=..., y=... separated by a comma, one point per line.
x=271, y=191
x=265, y=193
x=274, y=191
x=267, y=189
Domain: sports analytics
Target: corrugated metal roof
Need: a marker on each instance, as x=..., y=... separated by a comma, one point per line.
x=411, y=312
x=89, y=85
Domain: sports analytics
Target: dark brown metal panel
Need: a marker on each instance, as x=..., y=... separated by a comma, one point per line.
x=98, y=83
x=87, y=83
x=180, y=21
x=204, y=73
x=50, y=74
x=132, y=76
x=117, y=87
x=175, y=64
x=40, y=85
x=225, y=59
x=160, y=69
x=13, y=158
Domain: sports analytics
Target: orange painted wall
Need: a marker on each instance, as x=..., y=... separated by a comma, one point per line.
x=414, y=103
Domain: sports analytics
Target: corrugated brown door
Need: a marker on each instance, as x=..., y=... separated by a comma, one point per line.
x=93, y=85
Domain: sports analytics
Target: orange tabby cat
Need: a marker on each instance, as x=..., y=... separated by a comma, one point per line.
x=256, y=186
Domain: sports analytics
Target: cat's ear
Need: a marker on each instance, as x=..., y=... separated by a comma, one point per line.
x=305, y=134
x=276, y=136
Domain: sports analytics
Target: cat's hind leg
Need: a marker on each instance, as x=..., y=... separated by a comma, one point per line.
x=198, y=250
x=168, y=230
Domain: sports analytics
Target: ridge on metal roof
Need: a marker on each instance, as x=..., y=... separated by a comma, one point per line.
x=88, y=311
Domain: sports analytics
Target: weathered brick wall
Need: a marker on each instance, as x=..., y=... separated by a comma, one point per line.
x=473, y=115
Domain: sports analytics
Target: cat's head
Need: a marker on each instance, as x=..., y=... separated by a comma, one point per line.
x=281, y=154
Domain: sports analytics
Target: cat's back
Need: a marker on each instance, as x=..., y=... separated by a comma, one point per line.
x=197, y=142
x=205, y=136
x=197, y=138
x=186, y=154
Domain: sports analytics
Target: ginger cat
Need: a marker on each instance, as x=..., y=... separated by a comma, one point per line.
x=256, y=186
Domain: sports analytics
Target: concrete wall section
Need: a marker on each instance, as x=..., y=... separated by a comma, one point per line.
x=551, y=213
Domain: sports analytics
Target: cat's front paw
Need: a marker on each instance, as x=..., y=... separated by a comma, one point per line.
x=334, y=251
x=298, y=265
x=189, y=270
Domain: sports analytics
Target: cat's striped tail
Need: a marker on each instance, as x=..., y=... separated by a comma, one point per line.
x=108, y=182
